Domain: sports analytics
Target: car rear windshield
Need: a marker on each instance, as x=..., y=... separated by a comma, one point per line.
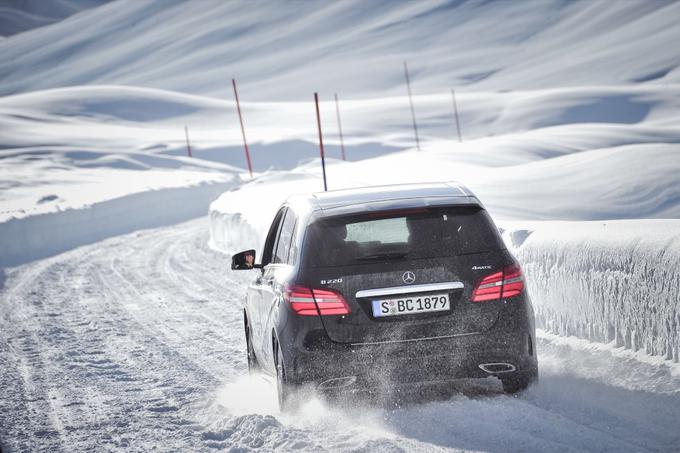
x=400, y=235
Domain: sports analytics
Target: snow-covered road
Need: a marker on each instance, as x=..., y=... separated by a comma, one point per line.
x=135, y=343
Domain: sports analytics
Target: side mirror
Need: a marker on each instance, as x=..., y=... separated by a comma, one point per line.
x=244, y=260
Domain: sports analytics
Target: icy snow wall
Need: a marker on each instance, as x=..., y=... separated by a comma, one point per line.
x=616, y=281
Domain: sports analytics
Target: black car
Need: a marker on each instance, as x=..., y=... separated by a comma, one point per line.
x=382, y=287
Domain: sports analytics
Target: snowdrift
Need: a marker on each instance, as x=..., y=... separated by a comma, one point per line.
x=129, y=119
x=615, y=281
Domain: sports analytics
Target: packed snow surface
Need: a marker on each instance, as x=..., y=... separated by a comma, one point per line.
x=136, y=343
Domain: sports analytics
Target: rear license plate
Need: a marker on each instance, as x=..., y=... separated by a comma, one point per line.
x=410, y=305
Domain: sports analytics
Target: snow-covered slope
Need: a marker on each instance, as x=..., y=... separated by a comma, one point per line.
x=76, y=169
x=352, y=47
x=524, y=118
x=618, y=144
x=17, y=16
x=125, y=117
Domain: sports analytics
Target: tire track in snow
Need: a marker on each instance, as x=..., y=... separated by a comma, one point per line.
x=100, y=344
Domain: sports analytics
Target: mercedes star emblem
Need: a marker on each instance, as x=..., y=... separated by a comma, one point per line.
x=408, y=277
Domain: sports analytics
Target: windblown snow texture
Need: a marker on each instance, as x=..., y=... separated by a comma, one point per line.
x=17, y=16
x=354, y=47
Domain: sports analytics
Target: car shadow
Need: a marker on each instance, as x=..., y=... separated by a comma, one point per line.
x=414, y=396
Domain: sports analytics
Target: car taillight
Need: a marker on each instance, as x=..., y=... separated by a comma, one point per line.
x=507, y=283
x=513, y=281
x=302, y=301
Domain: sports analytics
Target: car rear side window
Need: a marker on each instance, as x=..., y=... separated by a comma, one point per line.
x=400, y=235
x=272, y=236
x=292, y=253
x=285, y=237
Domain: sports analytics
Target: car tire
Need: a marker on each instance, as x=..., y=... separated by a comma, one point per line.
x=518, y=382
x=284, y=389
x=253, y=366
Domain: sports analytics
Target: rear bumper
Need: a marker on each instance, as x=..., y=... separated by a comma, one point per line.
x=413, y=362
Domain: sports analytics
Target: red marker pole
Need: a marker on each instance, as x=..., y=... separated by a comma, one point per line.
x=413, y=110
x=455, y=114
x=243, y=131
x=323, y=157
x=186, y=135
x=337, y=113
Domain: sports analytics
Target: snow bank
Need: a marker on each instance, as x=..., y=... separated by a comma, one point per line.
x=39, y=236
x=616, y=281
x=240, y=218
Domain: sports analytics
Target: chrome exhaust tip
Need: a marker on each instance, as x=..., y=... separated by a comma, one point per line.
x=497, y=367
x=338, y=383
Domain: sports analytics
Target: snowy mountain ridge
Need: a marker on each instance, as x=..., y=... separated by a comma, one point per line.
x=357, y=47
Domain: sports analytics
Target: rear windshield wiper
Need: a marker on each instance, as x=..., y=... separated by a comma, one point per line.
x=382, y=256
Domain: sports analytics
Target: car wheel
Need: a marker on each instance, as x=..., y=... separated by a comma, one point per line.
x=283, y=387
x=516, y=383
x=250, y=351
